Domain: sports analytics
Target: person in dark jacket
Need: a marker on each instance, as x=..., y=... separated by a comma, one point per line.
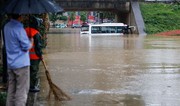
x=35, y=53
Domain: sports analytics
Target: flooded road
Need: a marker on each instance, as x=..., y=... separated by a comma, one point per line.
x=112, y=70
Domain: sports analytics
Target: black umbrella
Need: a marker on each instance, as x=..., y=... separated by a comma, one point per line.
x=31, y=7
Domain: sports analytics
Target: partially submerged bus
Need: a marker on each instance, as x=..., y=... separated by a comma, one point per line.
x=103, y=29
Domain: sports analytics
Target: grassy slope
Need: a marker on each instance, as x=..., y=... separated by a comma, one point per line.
x=160, y=17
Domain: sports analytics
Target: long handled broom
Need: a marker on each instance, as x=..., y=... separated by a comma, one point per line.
x=58, y=93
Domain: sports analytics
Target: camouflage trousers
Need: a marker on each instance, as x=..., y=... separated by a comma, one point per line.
x=34, y=73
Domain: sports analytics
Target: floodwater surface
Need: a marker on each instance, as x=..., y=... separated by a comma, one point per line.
x=111, y=70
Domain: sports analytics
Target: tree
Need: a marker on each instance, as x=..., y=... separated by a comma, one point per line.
x=83, y=16
x=72, y=17
x=64, y=18
x=54, y=17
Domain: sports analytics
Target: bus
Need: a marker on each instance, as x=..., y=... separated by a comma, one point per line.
x=103, y=29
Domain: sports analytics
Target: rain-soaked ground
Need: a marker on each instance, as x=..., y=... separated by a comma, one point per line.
x=111, y=70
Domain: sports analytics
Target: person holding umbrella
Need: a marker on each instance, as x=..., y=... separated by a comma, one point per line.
x=34, y=7
x=35, y=52
x=17, y=48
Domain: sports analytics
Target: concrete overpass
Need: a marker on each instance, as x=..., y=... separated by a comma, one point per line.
x=127, y=11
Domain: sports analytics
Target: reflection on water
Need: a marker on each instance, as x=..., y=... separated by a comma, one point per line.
x=112, y=70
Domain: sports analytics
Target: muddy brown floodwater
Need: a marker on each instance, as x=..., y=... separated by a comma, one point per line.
x=111, y=70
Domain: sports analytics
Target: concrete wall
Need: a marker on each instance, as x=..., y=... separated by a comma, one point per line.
x=137, y=19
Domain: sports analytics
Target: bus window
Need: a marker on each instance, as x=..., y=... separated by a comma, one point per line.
x=96, y=29
x=104, y=29
x=119, y=29
x=113, y=29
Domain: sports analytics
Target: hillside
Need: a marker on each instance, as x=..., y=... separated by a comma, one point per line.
x=160, y=17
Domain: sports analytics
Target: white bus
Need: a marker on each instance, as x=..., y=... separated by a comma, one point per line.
x=103, y=29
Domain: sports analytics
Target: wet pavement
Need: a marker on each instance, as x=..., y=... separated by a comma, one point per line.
x=111, y=70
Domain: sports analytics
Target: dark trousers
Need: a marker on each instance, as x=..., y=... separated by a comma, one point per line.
x=34, y=73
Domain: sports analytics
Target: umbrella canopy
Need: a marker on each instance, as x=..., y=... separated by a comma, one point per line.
x=31, y=7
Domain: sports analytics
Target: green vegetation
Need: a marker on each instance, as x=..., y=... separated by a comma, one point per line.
x=83, y=16
x=72, y=16
x=54, y=17
x=160, y=17
x=3, y=96
x=64, y=18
